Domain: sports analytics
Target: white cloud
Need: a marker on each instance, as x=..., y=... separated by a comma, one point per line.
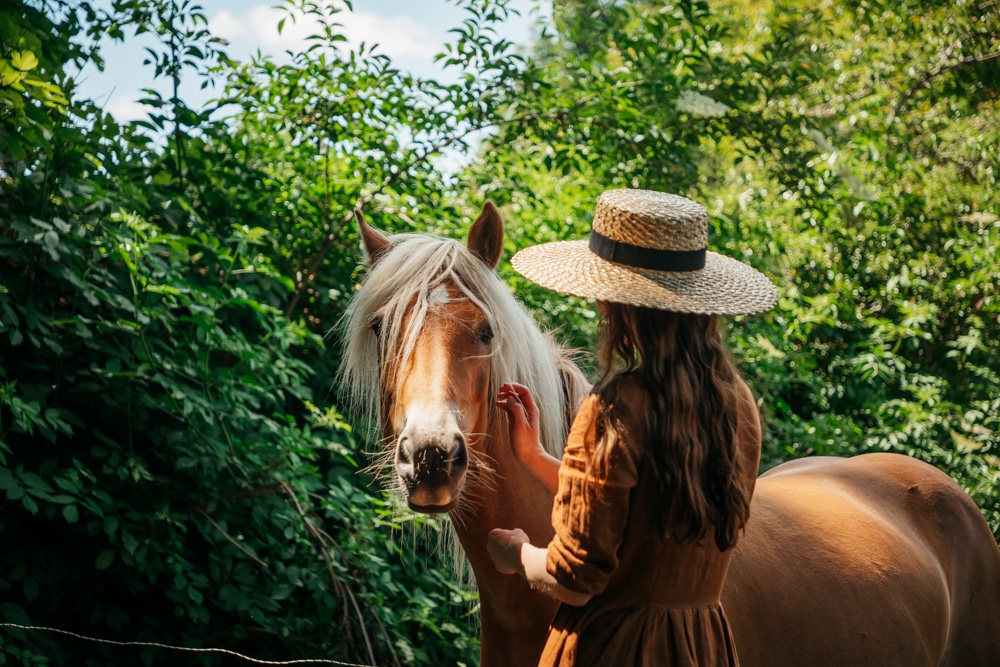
x=399, y=37
x=125, y=108
x=226, y=25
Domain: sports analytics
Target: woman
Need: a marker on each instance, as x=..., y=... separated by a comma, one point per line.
x=655, y=482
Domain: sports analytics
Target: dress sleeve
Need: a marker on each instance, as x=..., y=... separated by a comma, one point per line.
x=589, y=516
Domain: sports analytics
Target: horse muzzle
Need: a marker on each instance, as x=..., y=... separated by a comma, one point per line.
x=432, y=473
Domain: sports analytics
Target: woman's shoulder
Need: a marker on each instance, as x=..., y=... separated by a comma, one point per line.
x=623, y=394
x=749, y=434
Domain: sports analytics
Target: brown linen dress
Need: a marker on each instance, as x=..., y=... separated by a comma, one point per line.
x=655, y=602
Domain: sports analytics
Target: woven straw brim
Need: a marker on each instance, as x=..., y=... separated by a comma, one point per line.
x=724, y=287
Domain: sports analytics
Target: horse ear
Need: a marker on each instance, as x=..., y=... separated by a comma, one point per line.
x=486, y=235
x=377, y=246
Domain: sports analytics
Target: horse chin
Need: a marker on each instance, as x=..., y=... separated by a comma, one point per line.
x=433, y=500
x=432, y=509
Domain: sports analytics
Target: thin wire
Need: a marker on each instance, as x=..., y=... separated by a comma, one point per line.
x=314, y=661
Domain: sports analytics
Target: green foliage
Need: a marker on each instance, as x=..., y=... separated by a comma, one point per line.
x=888, y=234
x=325, y=134
x=841, y=148
x=173, y=464
x=28, y=88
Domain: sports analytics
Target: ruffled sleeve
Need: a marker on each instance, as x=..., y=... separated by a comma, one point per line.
x=589, y=516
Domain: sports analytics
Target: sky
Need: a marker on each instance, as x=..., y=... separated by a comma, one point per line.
x=410, y=32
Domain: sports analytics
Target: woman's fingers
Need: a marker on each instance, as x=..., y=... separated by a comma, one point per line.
x=515, y=394
x=509, y=400
x=513, y=408
x=504, y=548
x=516, y=391
x=527, y=399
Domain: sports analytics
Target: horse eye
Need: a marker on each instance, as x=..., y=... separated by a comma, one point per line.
x=486, y=334
x=375, y=324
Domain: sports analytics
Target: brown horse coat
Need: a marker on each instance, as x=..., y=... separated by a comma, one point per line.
x=879, y=559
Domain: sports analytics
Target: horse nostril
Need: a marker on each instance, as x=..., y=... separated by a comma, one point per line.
x=430, y=465
x=460, y=456
x=404, y=457
x=403, y=451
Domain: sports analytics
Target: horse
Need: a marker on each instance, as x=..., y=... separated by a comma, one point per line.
x=878, y=559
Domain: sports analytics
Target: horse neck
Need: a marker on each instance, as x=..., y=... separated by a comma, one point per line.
x=514, y=618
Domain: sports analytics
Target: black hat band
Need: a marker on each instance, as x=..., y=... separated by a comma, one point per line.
x=646, y=258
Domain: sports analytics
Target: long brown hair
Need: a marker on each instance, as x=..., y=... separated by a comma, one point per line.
x=682, y=363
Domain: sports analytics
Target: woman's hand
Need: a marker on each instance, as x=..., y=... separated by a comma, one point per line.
x=522, y=420
x=522, y=424
x=505, y=549
x=512, y=553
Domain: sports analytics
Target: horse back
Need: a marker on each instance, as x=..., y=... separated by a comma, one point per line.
x=879, y=559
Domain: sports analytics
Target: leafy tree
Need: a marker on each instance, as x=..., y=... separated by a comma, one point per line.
x=843, y=148
x=172, y=465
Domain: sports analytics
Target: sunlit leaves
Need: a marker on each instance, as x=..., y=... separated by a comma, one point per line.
x=158, y=413
x=839, y=148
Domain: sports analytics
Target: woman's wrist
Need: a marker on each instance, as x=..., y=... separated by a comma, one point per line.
x=527, y=457
x=536, y=459
x=521, y=569
x=543, y=466
x=534, y=570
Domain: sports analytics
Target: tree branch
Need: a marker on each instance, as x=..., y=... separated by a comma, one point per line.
x=942, y=68
x=231, y=540
x=318, y=535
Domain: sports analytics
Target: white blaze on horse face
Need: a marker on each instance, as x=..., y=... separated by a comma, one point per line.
x=439, y=295
x=427, y=406
x=436, y=404
x=426, y=393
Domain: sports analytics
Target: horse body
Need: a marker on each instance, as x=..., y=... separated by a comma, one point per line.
x=875, y=560
x=513, y=618
x=879, y=559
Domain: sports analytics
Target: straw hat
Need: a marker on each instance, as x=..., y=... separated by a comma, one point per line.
x=649, y=249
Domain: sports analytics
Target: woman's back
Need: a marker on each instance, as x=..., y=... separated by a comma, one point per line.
x=656, y=600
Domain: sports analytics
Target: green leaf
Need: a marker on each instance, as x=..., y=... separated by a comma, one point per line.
x=71, y=513
x=7, y=480
x=24, y=60
x=964, y=444
x=14, y=614
x=68, y=484
x=104, y=560
x=9, y=75
x=36, y=484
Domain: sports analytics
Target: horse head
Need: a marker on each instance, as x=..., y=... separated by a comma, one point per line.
x=430, y=336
